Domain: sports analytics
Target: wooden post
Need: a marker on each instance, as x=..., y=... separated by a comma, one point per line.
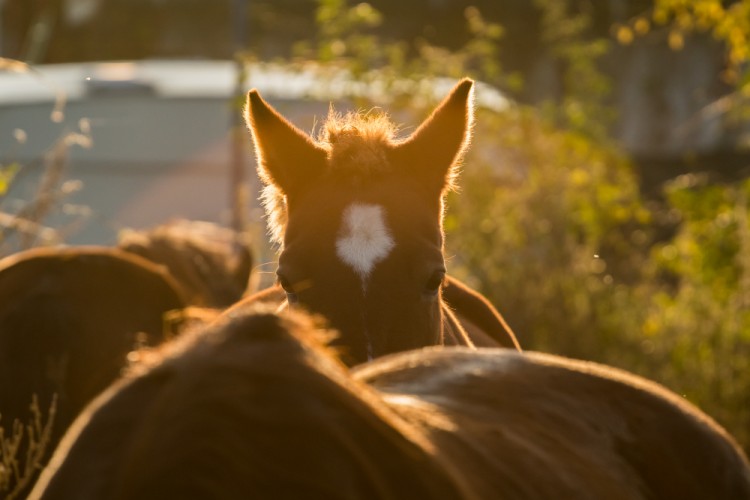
x=238, y=189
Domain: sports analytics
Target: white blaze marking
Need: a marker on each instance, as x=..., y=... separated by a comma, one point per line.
x=364, y=239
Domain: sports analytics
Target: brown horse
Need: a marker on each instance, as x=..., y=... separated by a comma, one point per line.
x=358, y=215
x=212, y=263
x=68, y=319
x=256, y=406
x=541, y=426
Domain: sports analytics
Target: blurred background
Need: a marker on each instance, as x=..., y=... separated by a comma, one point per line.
x=604, y=203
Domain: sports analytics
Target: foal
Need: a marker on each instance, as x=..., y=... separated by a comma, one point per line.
x=358, y=215
x=256, y=406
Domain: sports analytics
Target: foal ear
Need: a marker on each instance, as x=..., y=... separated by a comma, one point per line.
x=436, y=148
x=287, y=157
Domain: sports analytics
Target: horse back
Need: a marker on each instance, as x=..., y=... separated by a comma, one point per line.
x=541, y=426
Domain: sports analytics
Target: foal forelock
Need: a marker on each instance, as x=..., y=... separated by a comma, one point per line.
x=357, y=143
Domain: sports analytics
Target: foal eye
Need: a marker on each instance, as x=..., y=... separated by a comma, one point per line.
x=435, y=282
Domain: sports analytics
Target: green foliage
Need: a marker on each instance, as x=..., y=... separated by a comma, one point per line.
x=726, y=22
x=561, y=236
x=7, y=173
x=699, y=329
x=709, y=244
x=478, y=57
x=347, y=39
x=343, y=36
x=586, y=89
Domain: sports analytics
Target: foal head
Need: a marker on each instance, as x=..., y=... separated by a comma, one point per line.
x=358, y=215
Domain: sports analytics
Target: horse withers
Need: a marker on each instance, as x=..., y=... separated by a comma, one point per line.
x=257, y=405
x=358, y=217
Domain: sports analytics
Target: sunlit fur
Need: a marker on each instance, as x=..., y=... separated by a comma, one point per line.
x=386, y=297
x=542, y=426
x=356, y=144
x=358, y=141
x=253, y=407
x=256, y=405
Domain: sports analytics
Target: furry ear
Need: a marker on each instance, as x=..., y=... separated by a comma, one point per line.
x=287, y=157
x=436, y=148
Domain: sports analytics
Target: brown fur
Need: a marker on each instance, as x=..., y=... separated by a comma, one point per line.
x=210, y=420
x=542, y=426
x=68, y=319
x=212, y=263
x=256, y=405
x=476, y=321
x=358, y=144
x=355, y=144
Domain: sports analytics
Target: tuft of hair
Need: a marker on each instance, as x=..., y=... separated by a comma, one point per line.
x=357, y=143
